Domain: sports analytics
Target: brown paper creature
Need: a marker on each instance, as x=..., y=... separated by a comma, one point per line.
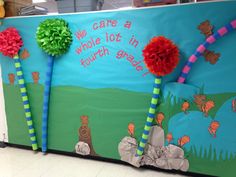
x=35, y=76
x=203, y=104
x=211, y=56
x=85, y=134
x=199, y=100
x=11, y=78
x=25, y=54
x=206, y=28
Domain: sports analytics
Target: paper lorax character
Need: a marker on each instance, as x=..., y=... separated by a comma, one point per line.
x=2, y=10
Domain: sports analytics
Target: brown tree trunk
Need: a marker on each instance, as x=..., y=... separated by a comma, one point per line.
x=85, y=134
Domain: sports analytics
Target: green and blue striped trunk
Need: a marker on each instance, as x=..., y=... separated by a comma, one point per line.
x=150, y=117
x=26, y=104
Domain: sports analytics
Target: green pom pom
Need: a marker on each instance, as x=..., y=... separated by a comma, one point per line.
x=54, y=36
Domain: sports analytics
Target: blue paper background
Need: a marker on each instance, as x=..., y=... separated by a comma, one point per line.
x=108, y=72
x=178, y=23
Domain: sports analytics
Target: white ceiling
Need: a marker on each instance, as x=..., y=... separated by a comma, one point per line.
x=116, y=4
x=82, y=5
x=51, y=5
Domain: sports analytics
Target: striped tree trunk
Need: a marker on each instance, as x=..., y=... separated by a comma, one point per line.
x=150, y=117
x=47, y=88
x=25, y=100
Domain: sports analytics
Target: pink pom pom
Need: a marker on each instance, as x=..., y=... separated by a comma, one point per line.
x=10, y=42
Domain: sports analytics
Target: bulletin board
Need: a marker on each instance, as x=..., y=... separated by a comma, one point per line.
x=102, y=84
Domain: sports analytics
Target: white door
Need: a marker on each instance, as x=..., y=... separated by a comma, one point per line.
x=3, y=120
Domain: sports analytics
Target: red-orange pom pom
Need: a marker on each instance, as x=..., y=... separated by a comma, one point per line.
x=10, y=42
x=161, y=56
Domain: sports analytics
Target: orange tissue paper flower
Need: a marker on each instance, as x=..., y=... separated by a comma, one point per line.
x=161, y=56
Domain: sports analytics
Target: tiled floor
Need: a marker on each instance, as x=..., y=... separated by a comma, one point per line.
x=24, y=163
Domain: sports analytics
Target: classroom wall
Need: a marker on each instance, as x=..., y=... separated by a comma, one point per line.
x=3, y=123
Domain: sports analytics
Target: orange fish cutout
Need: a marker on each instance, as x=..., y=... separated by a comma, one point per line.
x=183, y=140
x=169, y=137
x=206, y=107
x=185, y=107
x=213, y=128
x=131, y=129
x=25, y=54
x=159, y=118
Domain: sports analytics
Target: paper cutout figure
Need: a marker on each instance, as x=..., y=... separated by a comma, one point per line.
x=159, y=118
x=131, y=129
x=199, y=100
x=169, y=137
x=85, y=134
x=211, y=56
x=183, y=140
x=206, y=28
x=207, y=107
x=35, y=76
x=185, y=107
x=25, y=54
x=213, y=128
x=203, y=104
x=11, y=78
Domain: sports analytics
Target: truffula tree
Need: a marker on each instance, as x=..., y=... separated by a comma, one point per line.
x=54, y=37
x=203, y=47
x=10, y=44
x=161, y=57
